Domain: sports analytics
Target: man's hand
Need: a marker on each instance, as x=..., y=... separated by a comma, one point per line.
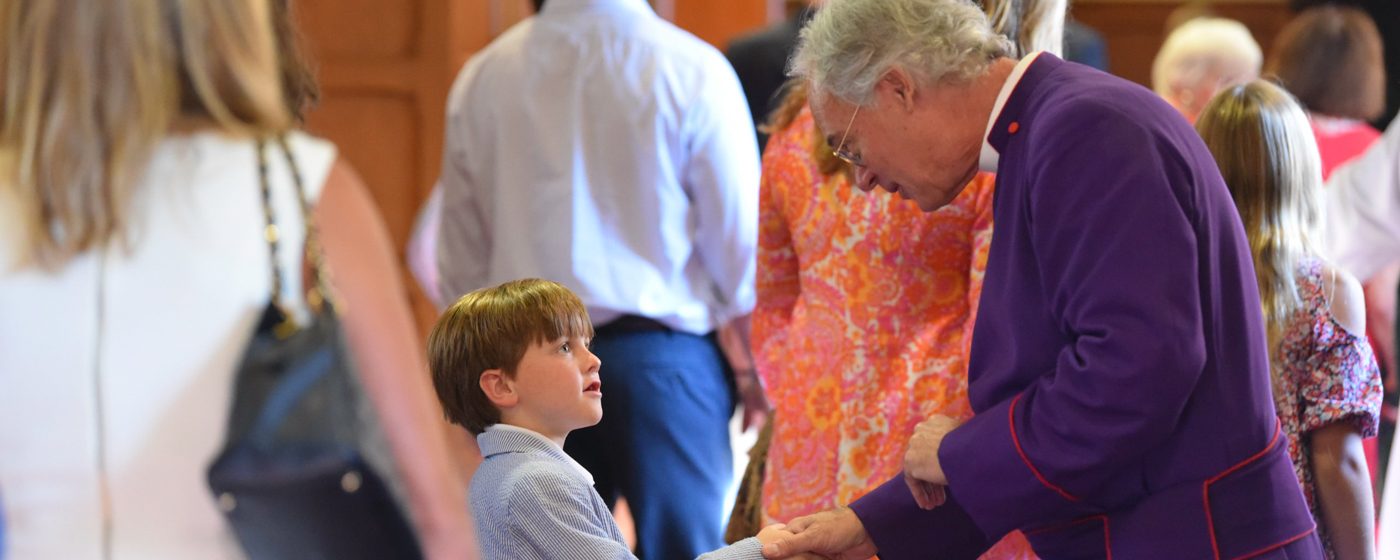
x=735, y=341
x=837, y=534
x=922, y=471
x=754, y=398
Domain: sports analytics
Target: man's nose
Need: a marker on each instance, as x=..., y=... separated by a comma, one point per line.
x=865, y=179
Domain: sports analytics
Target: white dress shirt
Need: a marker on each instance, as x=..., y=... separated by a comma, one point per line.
x=601, y=147
x=1361, y=233
x=1361, y=225
x=990, y=159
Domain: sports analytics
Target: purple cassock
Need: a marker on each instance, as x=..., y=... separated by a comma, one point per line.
x=1119, y=368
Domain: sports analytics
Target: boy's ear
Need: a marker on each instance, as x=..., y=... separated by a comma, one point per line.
x=499, y=389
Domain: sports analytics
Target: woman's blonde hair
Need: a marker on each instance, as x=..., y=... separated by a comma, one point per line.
x=90, y=87
x=1032, y=25
x=1266, y=152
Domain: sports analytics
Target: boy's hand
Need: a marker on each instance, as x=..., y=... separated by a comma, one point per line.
x=772, y=533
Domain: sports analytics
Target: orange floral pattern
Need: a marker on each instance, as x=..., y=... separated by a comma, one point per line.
x=864, y=320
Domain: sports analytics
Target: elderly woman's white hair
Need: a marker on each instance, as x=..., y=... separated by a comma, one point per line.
x=1205, y=55
x=851, y=44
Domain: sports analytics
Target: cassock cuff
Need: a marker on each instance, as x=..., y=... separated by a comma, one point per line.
x=1001, y=488
x=902, y=530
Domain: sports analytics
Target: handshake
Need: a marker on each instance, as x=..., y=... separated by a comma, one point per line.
x=838, y=534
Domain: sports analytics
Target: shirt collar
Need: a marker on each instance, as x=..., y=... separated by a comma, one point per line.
x=536, y=438
x=990, y=158
x=562, y=5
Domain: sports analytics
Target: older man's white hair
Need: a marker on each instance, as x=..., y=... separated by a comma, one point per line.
x=851, y=44
x=1206, y=49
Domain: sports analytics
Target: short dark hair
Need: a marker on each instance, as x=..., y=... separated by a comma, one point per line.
x=492, y=328
x=1330, y=58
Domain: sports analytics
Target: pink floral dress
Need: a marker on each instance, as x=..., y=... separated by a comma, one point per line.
x=1327, y=374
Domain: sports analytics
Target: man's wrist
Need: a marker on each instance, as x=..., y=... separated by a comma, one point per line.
x=746, y=376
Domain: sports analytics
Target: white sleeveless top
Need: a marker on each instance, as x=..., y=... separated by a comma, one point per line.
x=116, y=372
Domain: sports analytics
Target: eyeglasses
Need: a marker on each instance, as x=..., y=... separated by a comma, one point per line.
x=840, y=151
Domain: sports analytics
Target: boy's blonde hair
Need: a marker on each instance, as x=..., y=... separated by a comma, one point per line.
x=492, y=328
x=1266, y=152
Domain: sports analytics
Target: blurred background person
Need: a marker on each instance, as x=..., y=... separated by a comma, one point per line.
x=1326, y=384
x=1330, y=59
x=760, y=60
x=865, y=304
x=1386, y=14
x=1085, y=45
x=1203, y=56
x=1361, y=235
x=599, y=146
x=134, y=268
x=1082, y=43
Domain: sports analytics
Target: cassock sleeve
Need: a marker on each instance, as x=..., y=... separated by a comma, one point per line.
x=903, y=531
x=1111, y=218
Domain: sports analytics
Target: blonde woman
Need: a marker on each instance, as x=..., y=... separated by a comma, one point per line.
x=1326, y=383
x=133, y=268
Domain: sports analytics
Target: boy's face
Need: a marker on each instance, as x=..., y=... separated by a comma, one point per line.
x=558, y=387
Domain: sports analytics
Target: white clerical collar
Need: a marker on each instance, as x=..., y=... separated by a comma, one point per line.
x=990, y=158
x=517, y=429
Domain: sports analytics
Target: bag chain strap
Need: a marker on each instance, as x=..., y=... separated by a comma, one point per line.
x=320, y=293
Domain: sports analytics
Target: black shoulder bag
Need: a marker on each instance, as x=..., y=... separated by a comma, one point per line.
x=292, y=479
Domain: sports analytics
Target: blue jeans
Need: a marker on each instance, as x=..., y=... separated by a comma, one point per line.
x=663, y=443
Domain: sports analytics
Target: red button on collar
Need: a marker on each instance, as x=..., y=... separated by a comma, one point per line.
x=1013, y=128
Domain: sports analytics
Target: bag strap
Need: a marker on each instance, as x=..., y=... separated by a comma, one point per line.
x=288, y=394
x=320, y=294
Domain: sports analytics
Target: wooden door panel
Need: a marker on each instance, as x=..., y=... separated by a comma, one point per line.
x=361, y=28
x=386, y=143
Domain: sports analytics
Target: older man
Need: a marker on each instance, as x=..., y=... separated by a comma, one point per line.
x=1201, y=57
x=1119, y=370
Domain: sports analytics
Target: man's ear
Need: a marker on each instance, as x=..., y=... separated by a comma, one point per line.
x=900, y=85
x=499, y=389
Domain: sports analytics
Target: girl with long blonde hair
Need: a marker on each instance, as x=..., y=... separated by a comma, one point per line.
x=134, y=267
x=1326, y=382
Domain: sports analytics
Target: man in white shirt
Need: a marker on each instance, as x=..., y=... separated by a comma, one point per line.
x=1361, y=233
x=598, y=146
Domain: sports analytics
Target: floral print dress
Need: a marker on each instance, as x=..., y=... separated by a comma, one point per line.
x=1326, y=374
x=863, y=325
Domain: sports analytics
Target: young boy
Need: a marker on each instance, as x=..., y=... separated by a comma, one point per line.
x=511, y=364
